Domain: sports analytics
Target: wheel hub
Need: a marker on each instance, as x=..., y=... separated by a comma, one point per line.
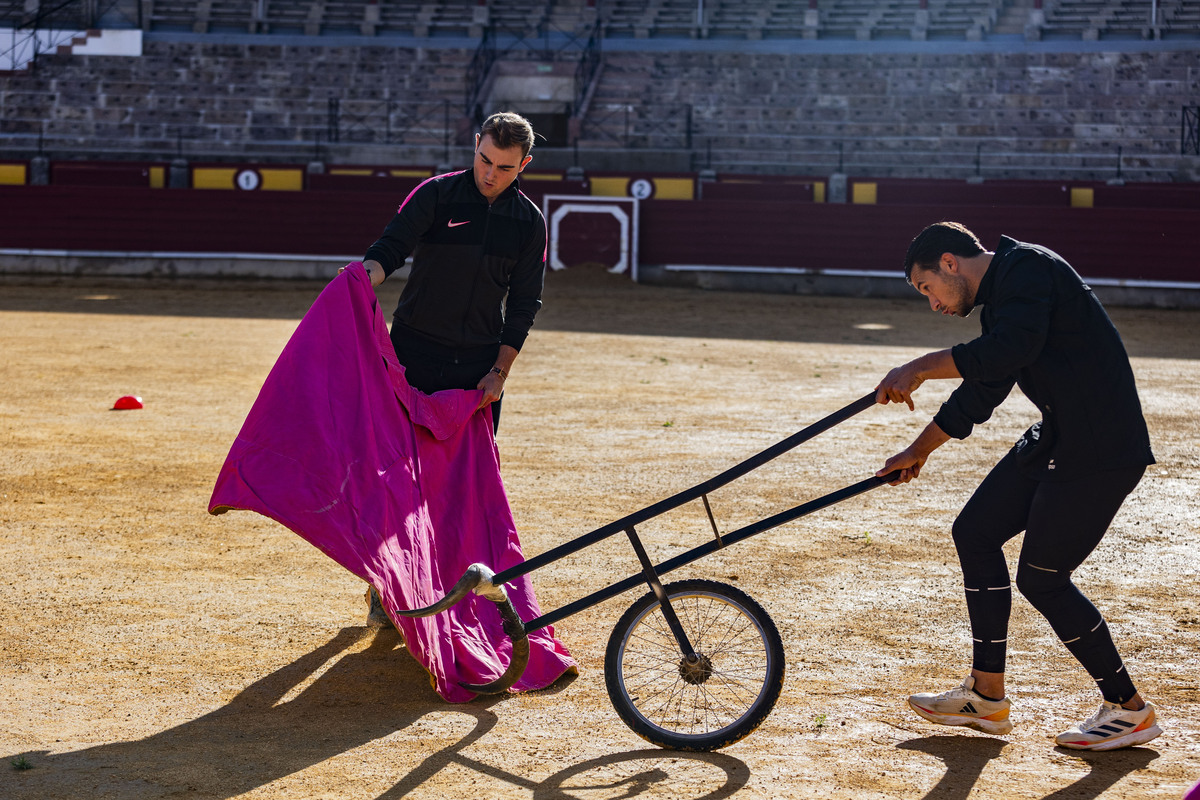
x=695, y=669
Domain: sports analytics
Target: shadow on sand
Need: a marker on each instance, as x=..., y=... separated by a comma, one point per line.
x=966, y=757
x=364, y=695
x=583, y=301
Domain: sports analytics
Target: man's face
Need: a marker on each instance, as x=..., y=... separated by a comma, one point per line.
x=496, y=168
x=947, y=289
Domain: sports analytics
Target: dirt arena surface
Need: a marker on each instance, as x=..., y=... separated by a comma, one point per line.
x=151, y=650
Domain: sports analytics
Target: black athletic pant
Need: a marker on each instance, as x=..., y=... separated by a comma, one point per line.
x=1063, y=523
x=430, y=367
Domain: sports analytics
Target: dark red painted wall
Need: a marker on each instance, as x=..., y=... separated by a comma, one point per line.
x=395, y=187
x=1130, y=243
x=1147, y=244
x=186, y=220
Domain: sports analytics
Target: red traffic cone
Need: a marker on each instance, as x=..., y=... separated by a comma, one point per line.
x=127, y=402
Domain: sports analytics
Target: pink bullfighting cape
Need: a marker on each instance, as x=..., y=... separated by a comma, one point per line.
x=401, y=488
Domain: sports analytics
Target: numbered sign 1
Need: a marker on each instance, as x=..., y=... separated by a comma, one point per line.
x=248, y=180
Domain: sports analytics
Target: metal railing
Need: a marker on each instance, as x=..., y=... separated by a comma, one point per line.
x=1189, y=136
x=55, y=24
x=421, y=133
x=588, y=68
x=478, y=70
x=545, y=41
x=424, y=124
x=670, y=127
x=918, y=157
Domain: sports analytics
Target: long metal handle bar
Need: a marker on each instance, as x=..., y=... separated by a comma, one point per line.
x=661, y=507
x=709, y=547
x=480, y=580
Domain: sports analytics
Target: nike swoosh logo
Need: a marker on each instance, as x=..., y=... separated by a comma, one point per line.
x=453, y=224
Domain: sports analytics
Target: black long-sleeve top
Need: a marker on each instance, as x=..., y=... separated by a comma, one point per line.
x=1044, y=330
x=477, y=269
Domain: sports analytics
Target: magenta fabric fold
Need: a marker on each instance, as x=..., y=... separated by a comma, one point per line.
x=401, y=488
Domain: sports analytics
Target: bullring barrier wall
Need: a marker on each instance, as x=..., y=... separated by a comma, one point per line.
x=772, y=244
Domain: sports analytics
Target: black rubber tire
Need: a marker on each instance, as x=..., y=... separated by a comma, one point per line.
x=643, y=672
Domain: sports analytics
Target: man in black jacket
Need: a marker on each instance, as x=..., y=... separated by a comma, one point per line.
x=1044, y=330
x=479, y=256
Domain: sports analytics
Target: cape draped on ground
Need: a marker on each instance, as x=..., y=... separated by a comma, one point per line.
x=401, y=488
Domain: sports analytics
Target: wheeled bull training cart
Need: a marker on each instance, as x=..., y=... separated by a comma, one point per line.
x=691, y=665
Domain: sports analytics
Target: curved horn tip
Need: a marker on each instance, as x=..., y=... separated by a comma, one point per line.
x=495, y=687
x=516, y=668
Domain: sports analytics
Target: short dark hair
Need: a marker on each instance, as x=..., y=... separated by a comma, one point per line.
x=926, y=249
x=509, y=130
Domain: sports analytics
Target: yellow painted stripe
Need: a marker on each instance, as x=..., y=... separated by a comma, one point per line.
x=411, y=173
x=282, y=180
x=351, y=172
x=213, y=177
x=674, y=189
x=610, y=187
x=12, y=174
x=540, y=176
x=1082, y=197
x=288, y=180
x=865, y=193
x=158, y=177
x=819, y=192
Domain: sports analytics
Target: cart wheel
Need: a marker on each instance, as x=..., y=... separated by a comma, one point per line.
x=706, y=705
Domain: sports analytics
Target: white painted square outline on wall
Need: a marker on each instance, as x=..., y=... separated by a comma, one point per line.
x=623, y=209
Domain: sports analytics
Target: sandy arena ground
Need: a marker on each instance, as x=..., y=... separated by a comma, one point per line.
x=151, y=650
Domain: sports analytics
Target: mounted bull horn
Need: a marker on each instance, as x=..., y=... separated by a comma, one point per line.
x=478, y=579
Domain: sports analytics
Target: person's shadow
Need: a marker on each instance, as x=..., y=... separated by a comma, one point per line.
x=256, y=738
x=265, y=734
x=1106, y=770
x=966, y=756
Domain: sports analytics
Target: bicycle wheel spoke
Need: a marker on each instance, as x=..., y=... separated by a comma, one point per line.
x=717, y=630
x=699, y=700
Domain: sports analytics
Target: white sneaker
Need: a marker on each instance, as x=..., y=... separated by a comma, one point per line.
x=1112, y=727
x=964, y=706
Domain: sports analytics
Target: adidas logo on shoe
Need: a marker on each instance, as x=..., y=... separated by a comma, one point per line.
x=1116, y=726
